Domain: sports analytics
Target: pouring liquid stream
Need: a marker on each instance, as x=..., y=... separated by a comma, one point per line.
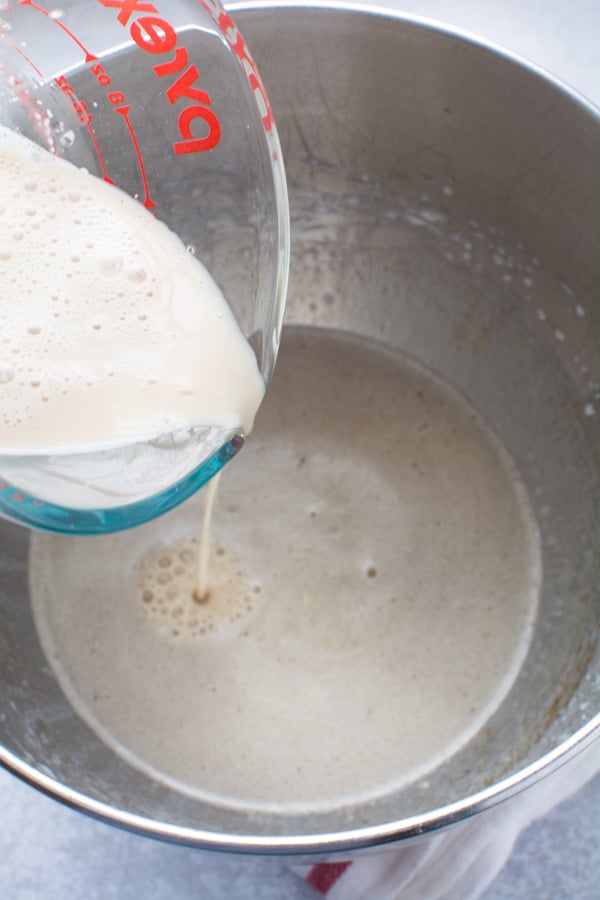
x=202, y=585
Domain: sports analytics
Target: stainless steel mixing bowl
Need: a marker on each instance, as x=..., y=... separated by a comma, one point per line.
x=445, y=200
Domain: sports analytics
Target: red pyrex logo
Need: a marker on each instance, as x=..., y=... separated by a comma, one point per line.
x=155, y=35
x=237, y=43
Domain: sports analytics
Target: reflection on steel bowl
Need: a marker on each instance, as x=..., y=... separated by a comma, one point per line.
x=445, y=203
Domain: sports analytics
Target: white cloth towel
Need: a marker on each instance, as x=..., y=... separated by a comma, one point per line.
x=459, y=862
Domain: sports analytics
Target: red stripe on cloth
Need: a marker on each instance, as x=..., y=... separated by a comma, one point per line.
x=324, y=875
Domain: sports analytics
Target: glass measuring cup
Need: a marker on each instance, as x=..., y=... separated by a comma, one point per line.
x=163, y=100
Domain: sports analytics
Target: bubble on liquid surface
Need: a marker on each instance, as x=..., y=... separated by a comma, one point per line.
x=67, y=139
x=110, y=265
x=166, y=590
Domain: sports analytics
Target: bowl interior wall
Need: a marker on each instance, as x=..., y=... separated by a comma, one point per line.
x=445, y=201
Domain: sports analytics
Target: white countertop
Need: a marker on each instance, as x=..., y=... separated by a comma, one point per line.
x=53, y=853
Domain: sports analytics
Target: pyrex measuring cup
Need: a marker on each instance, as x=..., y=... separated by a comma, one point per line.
x=162, y=99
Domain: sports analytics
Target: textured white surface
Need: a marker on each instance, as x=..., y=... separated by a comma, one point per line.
x=51, y=853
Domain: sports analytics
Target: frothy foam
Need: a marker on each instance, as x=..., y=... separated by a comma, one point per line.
x=166, y=590
x=110, y=331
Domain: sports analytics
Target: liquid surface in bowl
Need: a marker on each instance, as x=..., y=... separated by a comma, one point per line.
x=375, y=577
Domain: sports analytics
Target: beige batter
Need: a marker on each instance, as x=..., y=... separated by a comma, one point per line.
x=111, y=332
x=374, y=584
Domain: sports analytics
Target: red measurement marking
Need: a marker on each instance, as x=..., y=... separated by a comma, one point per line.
x=124, y=111
x=94, y=139
x=27, y=60
x=126, y=8
x=85, y=118
x=26, y=101
x=89, y=57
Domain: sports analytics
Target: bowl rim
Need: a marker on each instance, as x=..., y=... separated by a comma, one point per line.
x=365, y=837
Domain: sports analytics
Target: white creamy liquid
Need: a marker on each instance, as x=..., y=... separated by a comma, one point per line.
x=374, y=585
x=110, y=331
